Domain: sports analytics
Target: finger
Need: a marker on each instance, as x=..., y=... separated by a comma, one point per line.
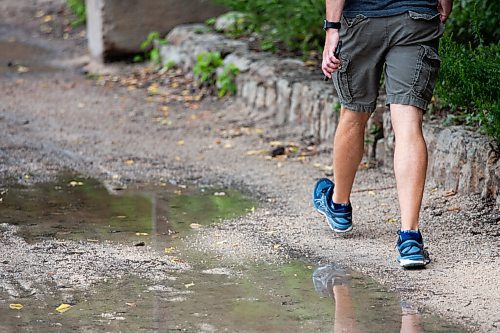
x=327, y=73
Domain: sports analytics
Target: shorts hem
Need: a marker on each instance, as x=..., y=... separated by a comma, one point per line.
x=407, y=100
x=359, y=107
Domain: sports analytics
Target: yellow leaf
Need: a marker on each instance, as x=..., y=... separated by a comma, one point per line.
x=180, y=142
x=129, y=162
x=16, y=306
x=257, y=152
x=228, y=145
x=63, y=308
x=169, y=249
x=276, y=143
x=195, y=226
x=22, y=69
x=48, y=18
x=391, y=220
x=141, y=233
x=177, y=158
x=258, y=131
x=153, y=89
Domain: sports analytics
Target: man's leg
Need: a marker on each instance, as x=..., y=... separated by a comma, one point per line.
x=348, y=149
x=410, y=162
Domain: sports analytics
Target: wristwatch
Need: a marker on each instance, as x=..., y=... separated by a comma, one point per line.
x=331, y=25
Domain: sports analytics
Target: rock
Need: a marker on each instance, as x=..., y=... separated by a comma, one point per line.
x=239, y=61
x=230, y=22
x=116, y=28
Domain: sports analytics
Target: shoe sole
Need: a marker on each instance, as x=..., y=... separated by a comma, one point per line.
x=339, y=231
x=411, y=263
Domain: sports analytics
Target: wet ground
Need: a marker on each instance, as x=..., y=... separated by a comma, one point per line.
x=213, y=295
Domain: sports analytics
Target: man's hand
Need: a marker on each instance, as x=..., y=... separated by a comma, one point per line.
x=444, y=9
x=330, y=64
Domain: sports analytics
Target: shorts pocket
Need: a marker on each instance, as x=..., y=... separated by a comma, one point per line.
x=349, y=22
x=342, y=82
x=428, y=64
x=424, y=17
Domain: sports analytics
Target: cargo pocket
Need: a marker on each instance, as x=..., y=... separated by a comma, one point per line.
x=428, y=64
x=342, y=82
x=349, y=22
x=425, y=17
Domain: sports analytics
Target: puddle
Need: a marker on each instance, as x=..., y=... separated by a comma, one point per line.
x=211, y=297
x=19, y=58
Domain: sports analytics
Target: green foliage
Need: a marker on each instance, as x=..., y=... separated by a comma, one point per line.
x=205, y=72
x=475, y=22
x=469, y=83
x=295, y=23
x=206, y=66
x=151, y=46
x=225, y=81
x=169, y=65
x=77, y=7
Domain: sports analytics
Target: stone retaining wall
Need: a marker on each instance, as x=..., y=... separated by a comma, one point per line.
x=293, y=95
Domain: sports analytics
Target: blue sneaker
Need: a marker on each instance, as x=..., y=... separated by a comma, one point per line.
x=338, y=216
x=410, y=247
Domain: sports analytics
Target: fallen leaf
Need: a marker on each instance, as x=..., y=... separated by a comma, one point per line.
x=189, y=285
x=180, y=142
x=195, y=226
x=449, y=193
x=169, y=249
x=141, y=234
x=16, y=306
x=228, y=145
x=48, y=18
x=177, y=158
x=129, y=162
x=22, y=69
x=276, y=246
x=275, y=143
x=391, y=220
x=63, y=308
x=257, y=152
x=131, y=304
x=153, y=89
x=453, y=209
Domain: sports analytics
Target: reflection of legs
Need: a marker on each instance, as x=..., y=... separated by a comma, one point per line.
x=347, y=152
x=410, y=162
x=345, y=320
x=410, y=323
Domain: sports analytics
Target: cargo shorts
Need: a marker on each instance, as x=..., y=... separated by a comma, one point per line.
x=404, y=47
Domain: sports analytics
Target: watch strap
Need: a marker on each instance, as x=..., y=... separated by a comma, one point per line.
x=331, y=25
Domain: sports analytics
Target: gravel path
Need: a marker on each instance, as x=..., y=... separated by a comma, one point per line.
x=54, y=121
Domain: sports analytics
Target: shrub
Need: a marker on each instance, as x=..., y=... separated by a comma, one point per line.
x=296, y=24
x=225, y=81
x=469, y=83
x=151, y=46
x=77, y=7
x=475, y=22
x=206, y=66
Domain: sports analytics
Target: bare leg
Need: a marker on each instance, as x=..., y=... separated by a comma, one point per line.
x=345, y=321
x=348, y=148
x=410, y=162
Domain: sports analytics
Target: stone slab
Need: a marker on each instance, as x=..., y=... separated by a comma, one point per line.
x=116, y=28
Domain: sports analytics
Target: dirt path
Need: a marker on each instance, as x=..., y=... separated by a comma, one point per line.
x=58, y=120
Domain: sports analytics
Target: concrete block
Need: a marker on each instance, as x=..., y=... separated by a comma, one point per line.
x=116, y=28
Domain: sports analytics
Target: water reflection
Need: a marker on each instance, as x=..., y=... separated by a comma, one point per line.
x=333, y=282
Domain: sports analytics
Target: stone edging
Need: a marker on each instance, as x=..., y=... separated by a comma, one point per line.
x=288, y=91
